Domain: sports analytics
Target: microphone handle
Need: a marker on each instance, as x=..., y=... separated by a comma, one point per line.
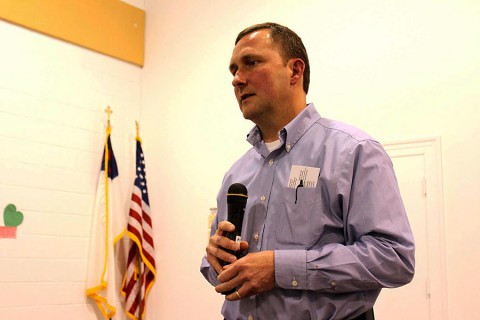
x=236, y=202
x=235, y=236
x=232, y=236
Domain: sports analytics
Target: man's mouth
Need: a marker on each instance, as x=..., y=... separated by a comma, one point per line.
x=243, y=97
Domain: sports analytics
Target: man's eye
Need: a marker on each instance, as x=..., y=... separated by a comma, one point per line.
x=252, y=63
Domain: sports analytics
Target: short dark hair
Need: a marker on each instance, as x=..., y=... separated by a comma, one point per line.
x=290, y=43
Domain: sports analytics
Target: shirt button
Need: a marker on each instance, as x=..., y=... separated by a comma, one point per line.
x=263, y=198
x=294, y=282
x=250, y=317
x=288, y=147
x=333, y=284
x=270, y=162
x=256, y=236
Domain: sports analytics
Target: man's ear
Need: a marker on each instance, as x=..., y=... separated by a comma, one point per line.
x=298, y=67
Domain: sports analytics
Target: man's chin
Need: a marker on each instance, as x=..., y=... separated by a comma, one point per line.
x=245, y=111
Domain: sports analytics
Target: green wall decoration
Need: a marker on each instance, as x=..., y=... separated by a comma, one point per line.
x=12, y=217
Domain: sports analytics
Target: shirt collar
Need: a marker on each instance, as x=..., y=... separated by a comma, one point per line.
x=290, y=134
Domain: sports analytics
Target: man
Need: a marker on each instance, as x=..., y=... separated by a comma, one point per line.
x=325, y=227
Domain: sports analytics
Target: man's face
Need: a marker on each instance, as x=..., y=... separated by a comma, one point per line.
x=261, y=79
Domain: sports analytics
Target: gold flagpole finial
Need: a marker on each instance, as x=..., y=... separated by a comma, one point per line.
x=138, y=131
x=109, y=112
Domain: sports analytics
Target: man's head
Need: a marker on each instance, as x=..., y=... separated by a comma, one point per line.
x=288, y=42
x=268, y=86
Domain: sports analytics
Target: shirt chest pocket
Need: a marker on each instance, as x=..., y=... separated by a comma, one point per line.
x=299, y=219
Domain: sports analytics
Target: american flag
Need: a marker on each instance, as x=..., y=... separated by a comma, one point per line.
x=140, y=274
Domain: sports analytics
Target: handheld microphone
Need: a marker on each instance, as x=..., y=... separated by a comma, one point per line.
x=236, y=202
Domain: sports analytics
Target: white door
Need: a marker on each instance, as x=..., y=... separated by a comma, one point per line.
x=418, y=169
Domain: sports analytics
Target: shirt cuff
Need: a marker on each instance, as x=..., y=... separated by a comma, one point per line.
x=209, y=272
x=291, y=269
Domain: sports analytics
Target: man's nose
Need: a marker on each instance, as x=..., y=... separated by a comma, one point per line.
x=238, y=79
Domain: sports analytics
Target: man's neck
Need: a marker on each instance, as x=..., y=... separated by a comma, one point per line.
x=274, y=124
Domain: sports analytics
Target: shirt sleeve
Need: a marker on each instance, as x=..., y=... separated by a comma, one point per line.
x=379, y=248
x=205, y=268
x=208, y=272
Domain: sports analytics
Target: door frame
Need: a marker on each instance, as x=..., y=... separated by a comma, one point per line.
x=430, y=149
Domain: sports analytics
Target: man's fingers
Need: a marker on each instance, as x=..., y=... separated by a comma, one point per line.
x=214, y=262
x=219, y=253
x=219, y=239
x=225, y=226
x=236, y=295
x=253, y=274
x=228, y=285
x=219, y=246
x=243, y=245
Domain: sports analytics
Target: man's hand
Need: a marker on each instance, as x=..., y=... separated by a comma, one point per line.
x=218, y=243
x=250, y=275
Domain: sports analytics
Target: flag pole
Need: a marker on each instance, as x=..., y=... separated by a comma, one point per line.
x=109, y=112
x=138, y=131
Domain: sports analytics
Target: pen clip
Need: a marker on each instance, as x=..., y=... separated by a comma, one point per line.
x=300, y=185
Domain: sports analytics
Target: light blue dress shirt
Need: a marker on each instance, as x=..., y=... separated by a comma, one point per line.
x=336, y=244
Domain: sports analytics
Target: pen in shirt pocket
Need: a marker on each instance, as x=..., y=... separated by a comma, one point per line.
x=300, y=185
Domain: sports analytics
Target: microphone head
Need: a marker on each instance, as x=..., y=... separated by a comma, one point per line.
x=237, y=193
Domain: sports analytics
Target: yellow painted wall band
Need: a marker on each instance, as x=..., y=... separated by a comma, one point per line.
x=110, y=27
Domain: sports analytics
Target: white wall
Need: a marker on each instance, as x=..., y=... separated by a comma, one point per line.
x=398, y=69
x=52, y=101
